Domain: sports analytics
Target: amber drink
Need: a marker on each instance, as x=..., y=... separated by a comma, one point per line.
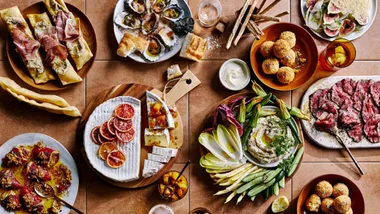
x=340, y=53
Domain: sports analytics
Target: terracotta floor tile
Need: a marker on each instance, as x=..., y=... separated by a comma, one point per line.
x=366, y=46
x=367, y=183
x=318, y=154
x=202, y=189
x=81, y=200
x=19, y=118
x=115, y=200
x=217, y=43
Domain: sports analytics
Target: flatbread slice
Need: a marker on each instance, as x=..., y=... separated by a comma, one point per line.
x=26, y=45
x=46, y=34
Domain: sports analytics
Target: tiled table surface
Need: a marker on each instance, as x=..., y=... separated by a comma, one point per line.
x=97, y=196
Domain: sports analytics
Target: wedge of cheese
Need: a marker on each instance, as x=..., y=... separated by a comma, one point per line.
x=151, y=168
x=157, y=137
x=174, y=71
x=159, y=116
x=158, y=158
x=164, y=151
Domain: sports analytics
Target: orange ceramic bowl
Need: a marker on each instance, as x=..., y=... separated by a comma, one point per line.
x=305, y=44
x=356, y=196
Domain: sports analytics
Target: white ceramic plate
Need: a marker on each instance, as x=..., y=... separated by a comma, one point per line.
x=253, y=160
x=129, y=171
x=353, y=35
x=323, y=138
x=65, y=157
x=119, y=33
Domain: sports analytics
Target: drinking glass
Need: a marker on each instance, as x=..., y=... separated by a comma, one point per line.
x=340, y=53
x=209, y=12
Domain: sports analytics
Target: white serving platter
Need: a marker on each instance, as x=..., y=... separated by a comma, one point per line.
x=65, y=157
x=253, y=160
x=354, y=35
x=323, y=138
x=119, y=33
x=129, y=171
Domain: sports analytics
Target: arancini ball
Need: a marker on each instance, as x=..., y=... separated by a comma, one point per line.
x=286, y=75
x=340, y=189
x=290, y=37
x=281, y=48
x=327, y=206
x=323, y=189
x=266, y=49
x=313, y=203
x=289, y=59
x=342, y=204
x=270, y=66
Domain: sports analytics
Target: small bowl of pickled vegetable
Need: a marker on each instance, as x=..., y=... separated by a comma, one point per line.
x=172, y=189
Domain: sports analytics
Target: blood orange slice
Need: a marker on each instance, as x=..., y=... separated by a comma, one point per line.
x=105, y=149
x=105, y=132
x=115, y=159
x=101, y=139
x=126, y=137
x=110, y=125
x=122, y=125
x=124, y=111
x=94, y=135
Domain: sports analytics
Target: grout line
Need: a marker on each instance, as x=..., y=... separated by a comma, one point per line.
x=188, y=139
x=342, y=162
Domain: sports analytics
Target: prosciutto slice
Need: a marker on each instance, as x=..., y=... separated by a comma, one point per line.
x=49, y=40
x=26, y=46
x=66, y=27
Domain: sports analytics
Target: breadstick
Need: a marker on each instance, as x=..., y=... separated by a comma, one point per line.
x=269, y=7
x=278, y=15
x=268, y=18
x=247, y=18
x=261, y=6
x=238, y=20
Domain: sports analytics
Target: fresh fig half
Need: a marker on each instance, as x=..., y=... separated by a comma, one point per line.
x=310, y=3
x=332, y=9
x=329, y=18
x=363, y=19
x=330, y=32
x=347, y=27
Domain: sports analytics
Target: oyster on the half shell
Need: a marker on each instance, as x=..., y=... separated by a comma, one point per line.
x=149, y=23
x=172, y=12
x=154, y=50
x=138, y=6
x=159, y=5
x=168, y=36
x=127, y=21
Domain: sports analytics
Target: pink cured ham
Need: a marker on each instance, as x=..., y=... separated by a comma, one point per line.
x=49, y=40
x=26, y=46
x=8, y=180
x=45, y=156
x=32, y=203
x=10, y=200
x=66, y=27
x=16, y=157
x=35, y=172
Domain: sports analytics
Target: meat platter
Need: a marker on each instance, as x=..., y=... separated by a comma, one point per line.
x=351, y=104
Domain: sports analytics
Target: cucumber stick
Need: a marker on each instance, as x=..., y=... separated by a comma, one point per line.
x=276, y=189
x=296, y=161
x=256, y=190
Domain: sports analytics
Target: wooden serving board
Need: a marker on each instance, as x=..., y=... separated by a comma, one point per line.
x=137, y=91
x=227, y=101
x=18, y=65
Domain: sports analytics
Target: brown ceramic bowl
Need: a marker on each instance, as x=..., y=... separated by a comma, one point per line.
x=18, y=65
x=305, y=44
x=354, y=193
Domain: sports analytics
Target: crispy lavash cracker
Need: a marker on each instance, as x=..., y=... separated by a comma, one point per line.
x=50, y=103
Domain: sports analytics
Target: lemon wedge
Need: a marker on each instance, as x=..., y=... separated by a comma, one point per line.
x=280, y=204
x=340, y=49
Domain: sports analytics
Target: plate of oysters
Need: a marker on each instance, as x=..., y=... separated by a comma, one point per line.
x=151, y=31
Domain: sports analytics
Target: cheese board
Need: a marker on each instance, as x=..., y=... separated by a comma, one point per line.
x=322, y=138
x=153, y=156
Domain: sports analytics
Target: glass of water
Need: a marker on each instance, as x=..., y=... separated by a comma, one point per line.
x=209, y=12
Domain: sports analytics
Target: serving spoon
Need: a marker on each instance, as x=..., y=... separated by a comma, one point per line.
x=47, y=191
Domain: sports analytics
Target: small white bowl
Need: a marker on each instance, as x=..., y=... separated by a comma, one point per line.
x=245, y=69
x=168, y=209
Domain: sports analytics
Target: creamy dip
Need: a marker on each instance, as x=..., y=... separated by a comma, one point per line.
x=161, y=209
x=234, y=75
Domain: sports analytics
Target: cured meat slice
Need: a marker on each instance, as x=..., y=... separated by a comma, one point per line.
x=338, y=96
x=361, y=90
x=126, y=137
x=356, y=132
x=124, y=111
x=26, y=46
x=314, y=102
x=35, y=172
x=110, y=125
x=45, y=156
x=372, y=129
x=123, y=125
x=30, y=200
x=94, y=135
x=375, y=92
x=8, y=180
x=16, y=157
x=106, y=134
x=10, y=200
x=348, y=116
x=369, y=109
x=348, y=86
x=66, y=27
x=327, y=123
x=327, y=105
x=49, y=40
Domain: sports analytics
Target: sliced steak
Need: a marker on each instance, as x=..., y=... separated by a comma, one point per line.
x=327, y=105
x=360, y=91
x=338, y=96
x=314, y=102
x=326, y=124
x=375, y=92
x=369, y=109
x=356, y=132
x=348, y=86
x=372, y=129
x=348, y=116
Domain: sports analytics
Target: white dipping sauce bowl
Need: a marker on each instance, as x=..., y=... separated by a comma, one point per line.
x=154, y=210
x=245, y=69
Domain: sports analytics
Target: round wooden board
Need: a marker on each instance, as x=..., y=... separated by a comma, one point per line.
x=137, y=91
x=227, y=101
x=18, y=65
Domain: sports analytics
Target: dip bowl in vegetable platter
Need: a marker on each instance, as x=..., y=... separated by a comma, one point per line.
x=252, y=144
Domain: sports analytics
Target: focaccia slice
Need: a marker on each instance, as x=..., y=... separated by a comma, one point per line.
x=26, y=46
x=56, y=53
x=68, y=28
